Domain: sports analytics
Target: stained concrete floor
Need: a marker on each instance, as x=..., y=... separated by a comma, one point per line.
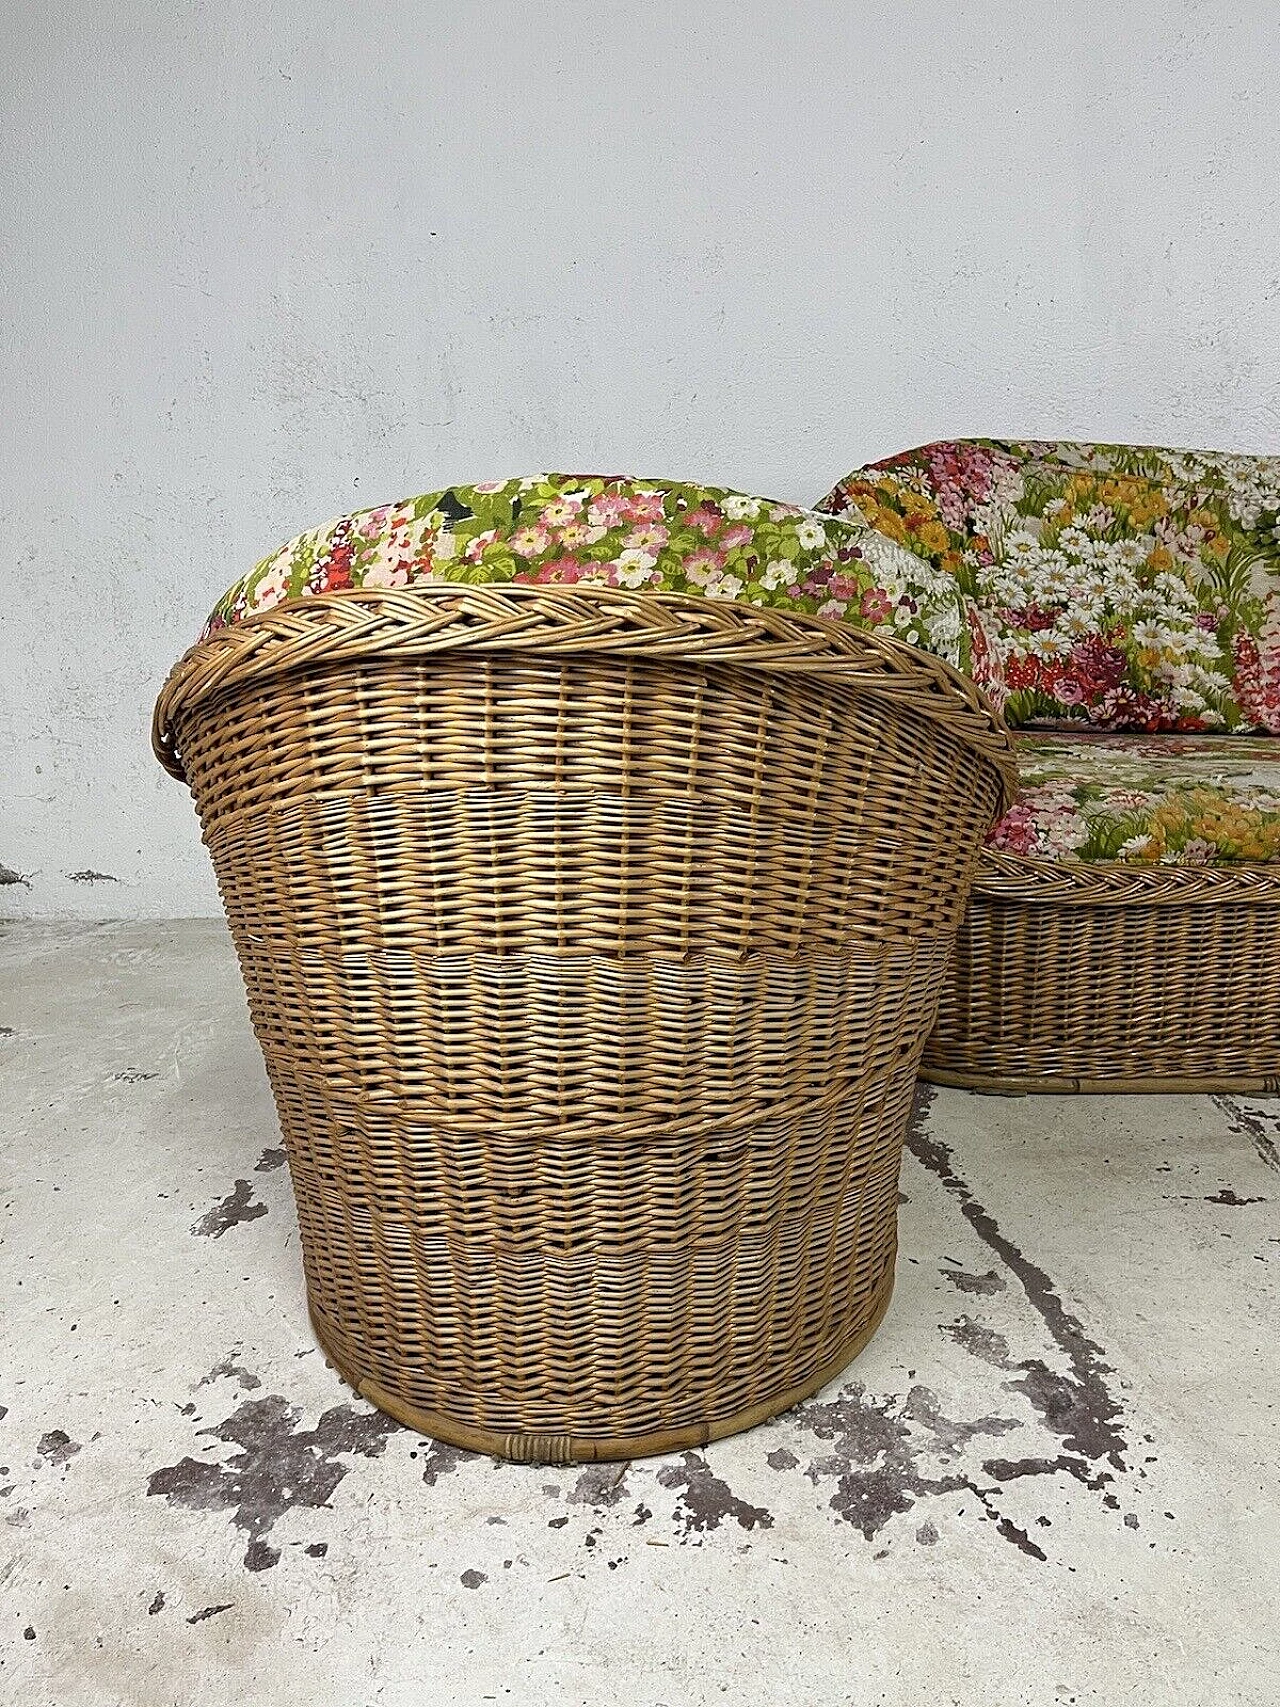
x=1052, y=1477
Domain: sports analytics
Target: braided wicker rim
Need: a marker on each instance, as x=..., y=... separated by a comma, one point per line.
x=1114, y=883
x=436, y=617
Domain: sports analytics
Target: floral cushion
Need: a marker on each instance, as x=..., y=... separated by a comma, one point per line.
x=1176, y=800
x=1122, y=587
x=606, y=530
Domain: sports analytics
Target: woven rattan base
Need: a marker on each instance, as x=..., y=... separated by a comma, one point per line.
x=1004, y=1085
x=579, y=1449
x=1110, y=977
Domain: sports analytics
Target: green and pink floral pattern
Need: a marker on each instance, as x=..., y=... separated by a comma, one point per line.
x=604, y=530
x=1108, y=586
x=1145, y=799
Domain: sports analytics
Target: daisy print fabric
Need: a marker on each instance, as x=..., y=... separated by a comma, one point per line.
x=1111, y=586
x=609, y=530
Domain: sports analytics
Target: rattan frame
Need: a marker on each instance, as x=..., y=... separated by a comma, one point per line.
x=591, y=939
x=1113, y=977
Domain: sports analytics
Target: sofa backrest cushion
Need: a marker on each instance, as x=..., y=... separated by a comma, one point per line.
x=1117, y=586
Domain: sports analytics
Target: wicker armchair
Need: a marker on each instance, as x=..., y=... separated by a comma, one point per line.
x=591, y=937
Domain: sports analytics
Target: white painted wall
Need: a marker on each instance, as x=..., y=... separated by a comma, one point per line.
x=266, y=262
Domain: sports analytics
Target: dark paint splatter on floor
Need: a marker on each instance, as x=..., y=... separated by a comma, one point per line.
x=878, y=1447
x=269, y=1161
x=1068, y=1406
x=157, y=1605
x=472, y=1579
x=57, y=1447
x=1259, y=1126
x=229, y=1367
x=1013, y=1469
x=1006, y=1527
x=987, y=1284
x=705, y=1501
x=210, y=1612
x=600, y=1486
x=279, y=1468
x=237, y=1207
x=441, y=1459
x=922, y=1407
x=1078, y=1406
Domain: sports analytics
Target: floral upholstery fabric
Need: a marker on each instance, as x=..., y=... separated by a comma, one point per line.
x=1112, y=586
x=575, y=529
x=1167, y=799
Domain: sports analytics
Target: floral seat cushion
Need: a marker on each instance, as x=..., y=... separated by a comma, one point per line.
x=573, y=529
x=1149, y=799
x=1113, y=586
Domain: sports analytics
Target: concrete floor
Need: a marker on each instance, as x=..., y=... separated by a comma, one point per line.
x=1052, y=1477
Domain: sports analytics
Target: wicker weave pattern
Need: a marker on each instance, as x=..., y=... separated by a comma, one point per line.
x=1113, y=977
x=591, y=941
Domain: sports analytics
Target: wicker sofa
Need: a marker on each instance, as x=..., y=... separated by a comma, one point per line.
x=1123, y=610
